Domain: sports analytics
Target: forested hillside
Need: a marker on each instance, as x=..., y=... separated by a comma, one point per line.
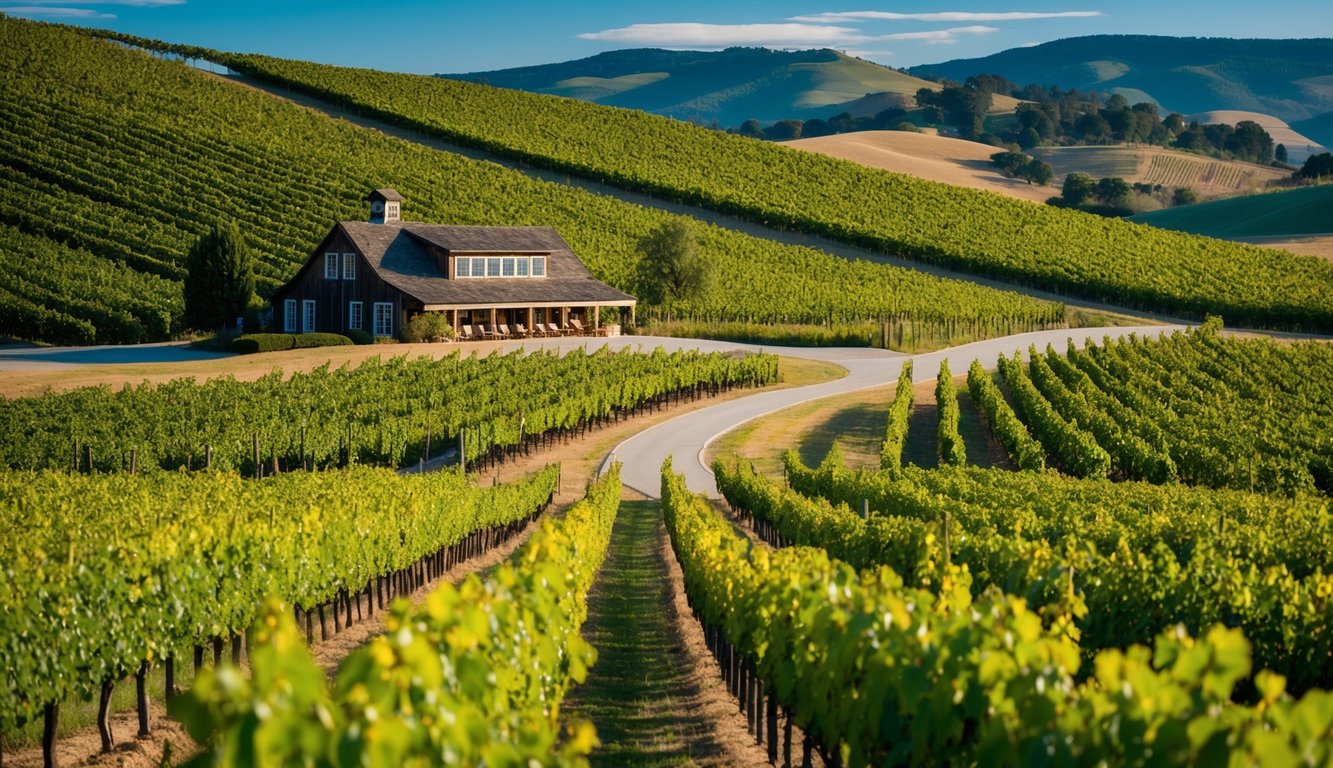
x=113, y=162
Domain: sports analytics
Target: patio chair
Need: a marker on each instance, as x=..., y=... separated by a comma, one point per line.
x=577, y=326
x=465, y=333
x=539, y=329
x=502, y=331
x=521, y=331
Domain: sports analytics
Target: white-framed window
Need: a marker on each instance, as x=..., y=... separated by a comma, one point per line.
x=307, y=316
x=354, y=319
x=383, y=318
x=391, y=212
x=289, y=316
x=330, y=266
x=500, y=266
x=349, y=266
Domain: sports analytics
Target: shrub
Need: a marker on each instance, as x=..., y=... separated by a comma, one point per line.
x=359, y=336
x=306, y=340
x=262, y=342
x=427, y=326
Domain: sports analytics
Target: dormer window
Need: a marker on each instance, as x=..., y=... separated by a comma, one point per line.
x=500, y=266
x=385, y=206
x=391, y=211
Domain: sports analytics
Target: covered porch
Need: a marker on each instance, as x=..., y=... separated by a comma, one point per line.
x=536, y=320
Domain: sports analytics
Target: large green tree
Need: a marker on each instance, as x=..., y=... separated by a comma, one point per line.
x=672, y=268
x=219, y=280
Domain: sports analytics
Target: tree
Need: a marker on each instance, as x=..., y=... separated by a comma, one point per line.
x=783, y=130
x=673, y=268
x=1078, y=187
x=1114, y=191
x=219, y=279
x=1038, y=172
x=1010, y=163
x=1184, y=196
x=752, y=128
x=1317, y=166
x=1280, y=153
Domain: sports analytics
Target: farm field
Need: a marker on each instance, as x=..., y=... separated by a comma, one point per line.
x=1003, y=542
x=1208, y=176
x=1064, y=251
x=936, y=158
x=232, y=152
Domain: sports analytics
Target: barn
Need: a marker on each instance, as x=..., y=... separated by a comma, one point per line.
x=490, y=282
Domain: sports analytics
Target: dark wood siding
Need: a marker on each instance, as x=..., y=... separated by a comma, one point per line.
x=332, y=297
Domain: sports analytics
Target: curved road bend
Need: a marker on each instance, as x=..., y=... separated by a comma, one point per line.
x=726, y=221
x=685, y=437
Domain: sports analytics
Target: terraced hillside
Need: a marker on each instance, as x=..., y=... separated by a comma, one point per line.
x=1070, y=252
x=113, y=161
x=1208, y=176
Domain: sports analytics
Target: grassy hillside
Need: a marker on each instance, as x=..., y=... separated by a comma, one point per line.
x=1067, y=251
x=1299, y=146
x=947, y=160
x=112, y=162
x=1285, y=78
x=1306, y=211
x=728, y=86
x=1154, y=165
x=1318, y=128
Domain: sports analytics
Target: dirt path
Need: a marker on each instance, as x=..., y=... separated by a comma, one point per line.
x=655, y=694
x=923, y=427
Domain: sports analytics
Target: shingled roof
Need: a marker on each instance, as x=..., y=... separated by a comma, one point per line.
x=399, y=254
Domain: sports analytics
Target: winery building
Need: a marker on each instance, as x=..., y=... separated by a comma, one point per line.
x=374, y=275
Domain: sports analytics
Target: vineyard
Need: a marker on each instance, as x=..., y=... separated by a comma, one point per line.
x=109, y=574
x=1197, y=408
x=113, y=162
x=389, y=413
x=1073, y=253
x=998, y=663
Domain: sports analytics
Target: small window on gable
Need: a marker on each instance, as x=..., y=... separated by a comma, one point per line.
x=462, y=267
x=349, y=266
x=330, y=266
x=539, y=266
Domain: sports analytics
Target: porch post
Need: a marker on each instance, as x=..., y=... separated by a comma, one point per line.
x=455, y=323
x=530, y=323
x=596, y=316
x=631, y=315
x=492, y=325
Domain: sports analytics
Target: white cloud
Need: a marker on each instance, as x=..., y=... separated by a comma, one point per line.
x=939, y=36
x=697, y=35
x=844, y=16
x=55, y=13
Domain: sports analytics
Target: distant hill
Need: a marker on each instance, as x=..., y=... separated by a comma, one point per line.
x=1299, y=146
x=1289, y=79
x=947, y=160
x=729, y=86
x=1171, y=168
x=1305, y=211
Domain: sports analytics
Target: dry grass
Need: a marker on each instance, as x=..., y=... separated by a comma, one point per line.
x=1299, y=147
x=1320, y=246
x=934, y=158
x=1154, y=165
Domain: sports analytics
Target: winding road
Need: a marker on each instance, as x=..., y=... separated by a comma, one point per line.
x=685, y=437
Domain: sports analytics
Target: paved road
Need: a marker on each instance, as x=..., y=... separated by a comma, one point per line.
x=55, y=358
x=685, y=437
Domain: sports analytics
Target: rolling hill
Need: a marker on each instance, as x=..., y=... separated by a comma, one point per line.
x=1289, y=79
x=1208, y=176
x=1299, y=146
x=926, y=156
x=1305, y=211
x=113, y=162
x=729, y=86
x=967, y=164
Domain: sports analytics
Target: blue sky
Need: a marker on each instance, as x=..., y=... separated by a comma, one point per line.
x=450, y=36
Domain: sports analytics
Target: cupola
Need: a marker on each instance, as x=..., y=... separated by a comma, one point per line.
x=385, y=206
